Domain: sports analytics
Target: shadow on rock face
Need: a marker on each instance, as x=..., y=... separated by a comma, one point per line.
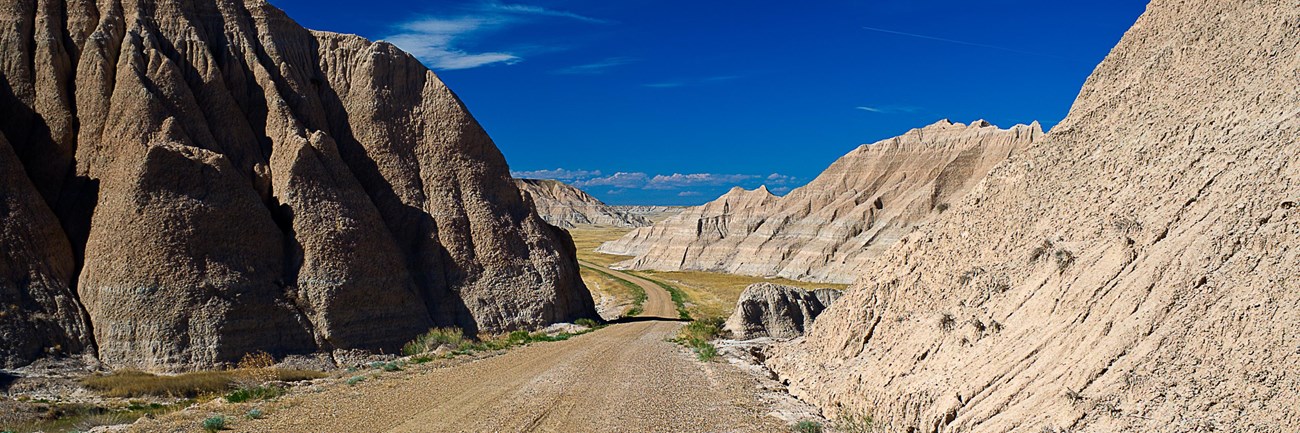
x=7, y=380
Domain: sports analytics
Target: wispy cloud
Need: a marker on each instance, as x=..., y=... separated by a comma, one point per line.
x=541, y=11
x=556, y=174
x=887, y=109
x=596, y=67
x=692, y=81
x=440, y=41
x=678, y=180
x=684, y=184
x=961, y=42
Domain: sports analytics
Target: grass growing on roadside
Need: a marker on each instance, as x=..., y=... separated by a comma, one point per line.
x=587, y=239
x=132, y=383
x=679, y=297
x=715, y=294
x=254, y=393
x=464, y=346
x=434, y=339
x=697, y=334
x=66, y=416
x=636, y=293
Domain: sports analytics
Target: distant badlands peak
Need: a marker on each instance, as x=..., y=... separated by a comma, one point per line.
x=827, y=229
x=565, y=206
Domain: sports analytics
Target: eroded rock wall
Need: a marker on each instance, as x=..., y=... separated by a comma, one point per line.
x=1134, y=271
x=318, y=191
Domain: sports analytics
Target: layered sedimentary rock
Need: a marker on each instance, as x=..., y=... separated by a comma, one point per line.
x=1135, y=271
x=652, y=213
x=39, y=314
x=565, y=206
x=828, y=229
x=228, y=181
x=777, y=311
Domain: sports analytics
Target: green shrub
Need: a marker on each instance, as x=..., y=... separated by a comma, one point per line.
x=706, y=351
x=586, y=322
x=254, y=413
x=254, y=393
x=391, y=366
x=807, y=427
x=436, y=337
x=421, y=359
x=704, y=329
x=355, y=380
x=697, y=334
x=214, y=423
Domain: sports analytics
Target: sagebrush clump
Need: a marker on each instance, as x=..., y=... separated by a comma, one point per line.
x=214, y=423
x=697, y=334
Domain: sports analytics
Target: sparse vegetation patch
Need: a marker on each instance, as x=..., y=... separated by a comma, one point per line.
x=214, y=423
x=255, y=393
x=132, y=383
x=807, y=427
x=698, y=334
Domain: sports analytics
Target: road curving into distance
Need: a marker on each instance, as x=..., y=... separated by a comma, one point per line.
x=626, y=377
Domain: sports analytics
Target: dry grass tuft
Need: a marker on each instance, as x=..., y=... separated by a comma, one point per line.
x=132, y=383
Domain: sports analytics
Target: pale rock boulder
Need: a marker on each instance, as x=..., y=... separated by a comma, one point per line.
x=777, y=311
x=1135, y=271
x=825, y=231
x=566, y=206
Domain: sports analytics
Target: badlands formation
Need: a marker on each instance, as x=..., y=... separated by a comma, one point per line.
x=565, y=206
x=185, y=182
x=1133, y=270
x=829, y=229
x=777, y=311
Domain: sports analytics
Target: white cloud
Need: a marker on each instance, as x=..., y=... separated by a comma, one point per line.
x=541, y=11
x=557, y=174
x=439, y=41
x=678, y=180
x=780, y=179
x=636, y=180
x=660, y=182
x=689, y=194
x=597, y=67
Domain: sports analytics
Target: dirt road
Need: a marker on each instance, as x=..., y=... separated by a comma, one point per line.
x=623, y=378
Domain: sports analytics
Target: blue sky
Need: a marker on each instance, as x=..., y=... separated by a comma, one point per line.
x=674, y=102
